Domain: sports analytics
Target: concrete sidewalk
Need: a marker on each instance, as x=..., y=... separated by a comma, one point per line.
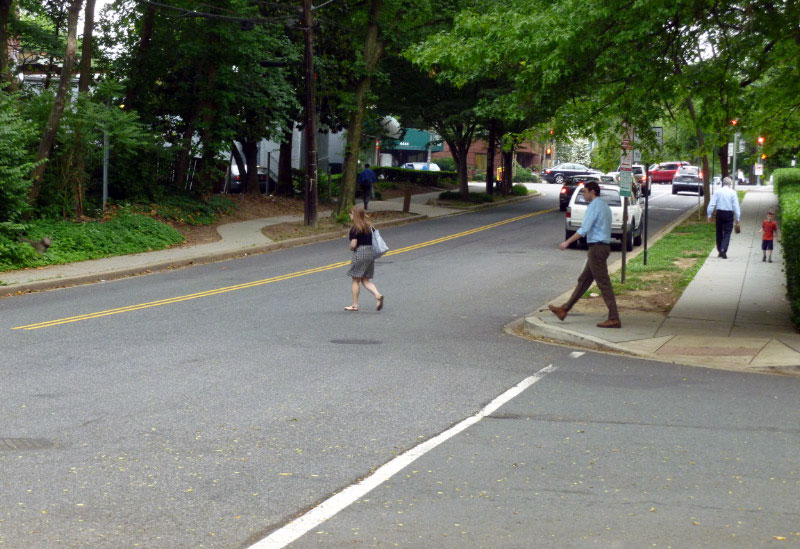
x=237, y=239
x=733, y=315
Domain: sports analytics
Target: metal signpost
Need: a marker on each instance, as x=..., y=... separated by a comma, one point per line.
x=658, y=131
x=625, y=184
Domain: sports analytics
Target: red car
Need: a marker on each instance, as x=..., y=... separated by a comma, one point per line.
x=665, y=171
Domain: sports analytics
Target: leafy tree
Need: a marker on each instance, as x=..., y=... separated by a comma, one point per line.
x=49, y=134
x=16, y=160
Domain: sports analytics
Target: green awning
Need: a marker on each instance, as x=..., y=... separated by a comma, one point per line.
x=416, y=140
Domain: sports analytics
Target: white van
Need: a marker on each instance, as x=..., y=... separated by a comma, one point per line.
x=421, y=166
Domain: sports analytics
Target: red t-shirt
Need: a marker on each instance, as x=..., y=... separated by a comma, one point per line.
x=769, y=228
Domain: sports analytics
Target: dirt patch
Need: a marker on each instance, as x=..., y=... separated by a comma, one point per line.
x=398, y=192
x=658, y=295
x=296, y=229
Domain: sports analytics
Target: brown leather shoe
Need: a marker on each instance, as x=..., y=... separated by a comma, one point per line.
x=610, y=323
x=560, y=312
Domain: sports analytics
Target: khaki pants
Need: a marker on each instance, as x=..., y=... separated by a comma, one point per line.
x=596, y=270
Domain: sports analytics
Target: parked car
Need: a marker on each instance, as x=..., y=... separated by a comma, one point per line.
x=421, y=166
x=237, y=181
x=687, y=183
x=610, y=195
x=665, y=171
x=559, y=173
x=569, y=187
x=236, y=184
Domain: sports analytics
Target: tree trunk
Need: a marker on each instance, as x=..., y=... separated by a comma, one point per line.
x=145, y=35
x=508, y=161
x=86, y=48
x=285, y=187
x=49, y=135
x=722, y=153
x=373, y=50
x=490, y=152
x=184, y=156
x=701, y=141
x=5, y=15
x=250, y=149
x=84, y=80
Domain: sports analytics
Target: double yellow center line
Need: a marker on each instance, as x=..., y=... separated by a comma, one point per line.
x=253, y=284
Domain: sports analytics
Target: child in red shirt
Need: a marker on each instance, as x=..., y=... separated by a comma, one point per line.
x=769, y=228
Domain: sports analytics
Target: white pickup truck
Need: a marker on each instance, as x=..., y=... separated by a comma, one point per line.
x=610, y=195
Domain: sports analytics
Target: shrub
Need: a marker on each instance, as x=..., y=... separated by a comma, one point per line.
x=16, y=159
x=187, y=207
x=446, y=163
x=125, y=233
x=519, y=190
x=787, y=185
x=419, y=177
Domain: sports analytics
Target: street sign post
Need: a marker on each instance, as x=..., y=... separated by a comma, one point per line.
x=625, y=184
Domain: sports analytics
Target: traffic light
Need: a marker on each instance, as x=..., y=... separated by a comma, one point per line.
x=552, y=132
x=734, y=122
x=763, y=156
x=548, y=151
x=378, y=144
x=760, y=139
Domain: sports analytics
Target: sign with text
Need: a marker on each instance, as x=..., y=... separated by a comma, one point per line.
x=625, y=162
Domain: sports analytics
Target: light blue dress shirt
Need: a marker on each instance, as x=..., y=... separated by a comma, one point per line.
x=725, y=199
x=596, y=225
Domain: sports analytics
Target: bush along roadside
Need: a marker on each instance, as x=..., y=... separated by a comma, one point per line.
x=70, y=241
x=787, y=185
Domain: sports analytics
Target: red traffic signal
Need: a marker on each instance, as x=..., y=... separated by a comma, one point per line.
x=760, y=140
x=549, y=151
x=734, y=121
x=552, y=132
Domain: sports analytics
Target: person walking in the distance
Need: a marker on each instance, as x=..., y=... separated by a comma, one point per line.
x=770, y=230
x=726, y=202
x=362, y=265
x=596, y=228
x=366, y=179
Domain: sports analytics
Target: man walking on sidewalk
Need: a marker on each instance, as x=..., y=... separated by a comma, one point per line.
x=366, y=179
x=726, y=202
x=596, y=228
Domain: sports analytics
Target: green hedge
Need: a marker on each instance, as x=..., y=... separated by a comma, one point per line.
x=787, y=185
x=418, y=177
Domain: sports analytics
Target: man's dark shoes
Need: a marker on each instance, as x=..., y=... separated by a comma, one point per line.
x=723, y=255
x=560, y=312
x=610, y=323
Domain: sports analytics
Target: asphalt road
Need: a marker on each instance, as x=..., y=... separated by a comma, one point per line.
x=208, y=407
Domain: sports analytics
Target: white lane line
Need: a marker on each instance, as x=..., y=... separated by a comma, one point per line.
x=331, y=506
x=576, y=354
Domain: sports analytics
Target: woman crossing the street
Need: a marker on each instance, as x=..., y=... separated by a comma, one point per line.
x=362, y=265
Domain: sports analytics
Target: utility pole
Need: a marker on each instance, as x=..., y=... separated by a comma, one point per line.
x=310, y=213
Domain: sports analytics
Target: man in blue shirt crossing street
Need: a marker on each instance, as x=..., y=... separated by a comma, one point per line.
x=596, y=228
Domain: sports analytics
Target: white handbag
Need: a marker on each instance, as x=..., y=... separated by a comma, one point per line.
x=378, y=245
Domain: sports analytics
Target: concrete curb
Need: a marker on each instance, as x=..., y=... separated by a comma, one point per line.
x=56, y=283
x=535, y=325
x=536, y=328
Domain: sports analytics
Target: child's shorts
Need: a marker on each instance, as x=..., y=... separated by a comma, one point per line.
x=766, y=245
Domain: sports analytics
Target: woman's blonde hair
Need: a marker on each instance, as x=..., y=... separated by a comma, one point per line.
x=360, y=219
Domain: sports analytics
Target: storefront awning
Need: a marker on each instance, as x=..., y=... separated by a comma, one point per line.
x=416, y=140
